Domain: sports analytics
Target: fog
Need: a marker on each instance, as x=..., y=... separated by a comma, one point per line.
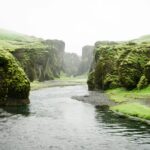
x=77, y=22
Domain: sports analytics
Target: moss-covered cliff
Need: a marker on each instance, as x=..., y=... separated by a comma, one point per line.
x=14, y=84
x=120, y=65
x=43, y=63
x=40, y=59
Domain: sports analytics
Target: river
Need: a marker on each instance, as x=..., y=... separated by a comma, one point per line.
x=54, y=121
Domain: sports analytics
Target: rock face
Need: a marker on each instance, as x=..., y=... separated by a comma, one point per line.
x=120, y=65
x=42, y=63
x=86, y=60
x=14, y=84
x=147, y=71
x=71, y=63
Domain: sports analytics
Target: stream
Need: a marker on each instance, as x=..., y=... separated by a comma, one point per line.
x=55, y=121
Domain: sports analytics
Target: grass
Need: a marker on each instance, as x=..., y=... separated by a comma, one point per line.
x=126, y=102
x=144, y=38
x=82, y=78
x=10, y=40
x=57, y=82
x=133, y=109
x=122, y=95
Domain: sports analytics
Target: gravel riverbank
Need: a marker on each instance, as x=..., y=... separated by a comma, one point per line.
x=96, y=98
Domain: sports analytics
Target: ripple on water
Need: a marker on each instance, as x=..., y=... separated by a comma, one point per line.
x=54, y=121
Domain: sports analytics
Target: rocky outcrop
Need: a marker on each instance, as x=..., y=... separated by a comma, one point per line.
x=71, y=63
x=147, y=71
x=44, y=63
x=14, y=84
x=120, y=65
x=86, y=59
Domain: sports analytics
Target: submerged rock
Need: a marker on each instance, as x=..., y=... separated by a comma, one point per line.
x=14, y=84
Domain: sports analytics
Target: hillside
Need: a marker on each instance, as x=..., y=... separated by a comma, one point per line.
x=44, y=57
x=10, y=40
x=144, y=38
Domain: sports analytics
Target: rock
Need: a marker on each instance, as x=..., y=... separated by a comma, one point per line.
x=71, y=63
x=147, y=71
x=14, y=84
x=142, y=83
x=91, y=81
x=132, y=66
x=120, y=65
x=86, y=60
x=45, y=61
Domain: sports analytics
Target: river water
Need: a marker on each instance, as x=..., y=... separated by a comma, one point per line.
x=54, y=121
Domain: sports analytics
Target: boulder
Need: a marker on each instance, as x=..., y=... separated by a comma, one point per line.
x=14, y=84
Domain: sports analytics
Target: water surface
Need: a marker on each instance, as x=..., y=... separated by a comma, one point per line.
x=54, y=121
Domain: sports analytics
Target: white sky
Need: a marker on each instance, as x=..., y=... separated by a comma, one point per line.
x=77, y=22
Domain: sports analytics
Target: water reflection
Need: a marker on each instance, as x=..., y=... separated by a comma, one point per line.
x=15, y=110
x=54, y=121
x=122, y=126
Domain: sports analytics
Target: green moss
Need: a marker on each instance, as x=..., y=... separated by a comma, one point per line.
x=41, y=59
x=142, y=83
x=13, y=81
x=147, y=71
x=133, y=109
x=132, y=66
x=91, y=81
x=121, y=65
x=111, y=81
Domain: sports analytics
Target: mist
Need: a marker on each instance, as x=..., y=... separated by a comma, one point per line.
x=77, y=22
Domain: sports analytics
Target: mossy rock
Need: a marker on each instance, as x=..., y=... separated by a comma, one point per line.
x=132, y=66
x=111, y=82
x=14, y=84
x=142, y=83
x=91, y=81
x=147, y=71
x=39, y=63
x=105, y=65
x=121, y=65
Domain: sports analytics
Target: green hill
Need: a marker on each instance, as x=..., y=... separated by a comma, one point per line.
x=40, y=59
x=144, y=38
x=10, y=40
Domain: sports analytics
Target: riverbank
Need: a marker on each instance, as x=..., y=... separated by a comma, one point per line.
x=96, y=98
x=57, y=82
x=134, y=103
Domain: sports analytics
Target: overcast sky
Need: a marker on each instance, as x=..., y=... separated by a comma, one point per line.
x=77, y=22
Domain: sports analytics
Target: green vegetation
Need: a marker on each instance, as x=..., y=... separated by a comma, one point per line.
x=14, y=84
x=63, y=81
x=145, y=38
x=12, y=40
x=133, y=109
x=123, y=70
x=121, y=65
x=123, y=95
x=41, y=59
x=134, y=103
